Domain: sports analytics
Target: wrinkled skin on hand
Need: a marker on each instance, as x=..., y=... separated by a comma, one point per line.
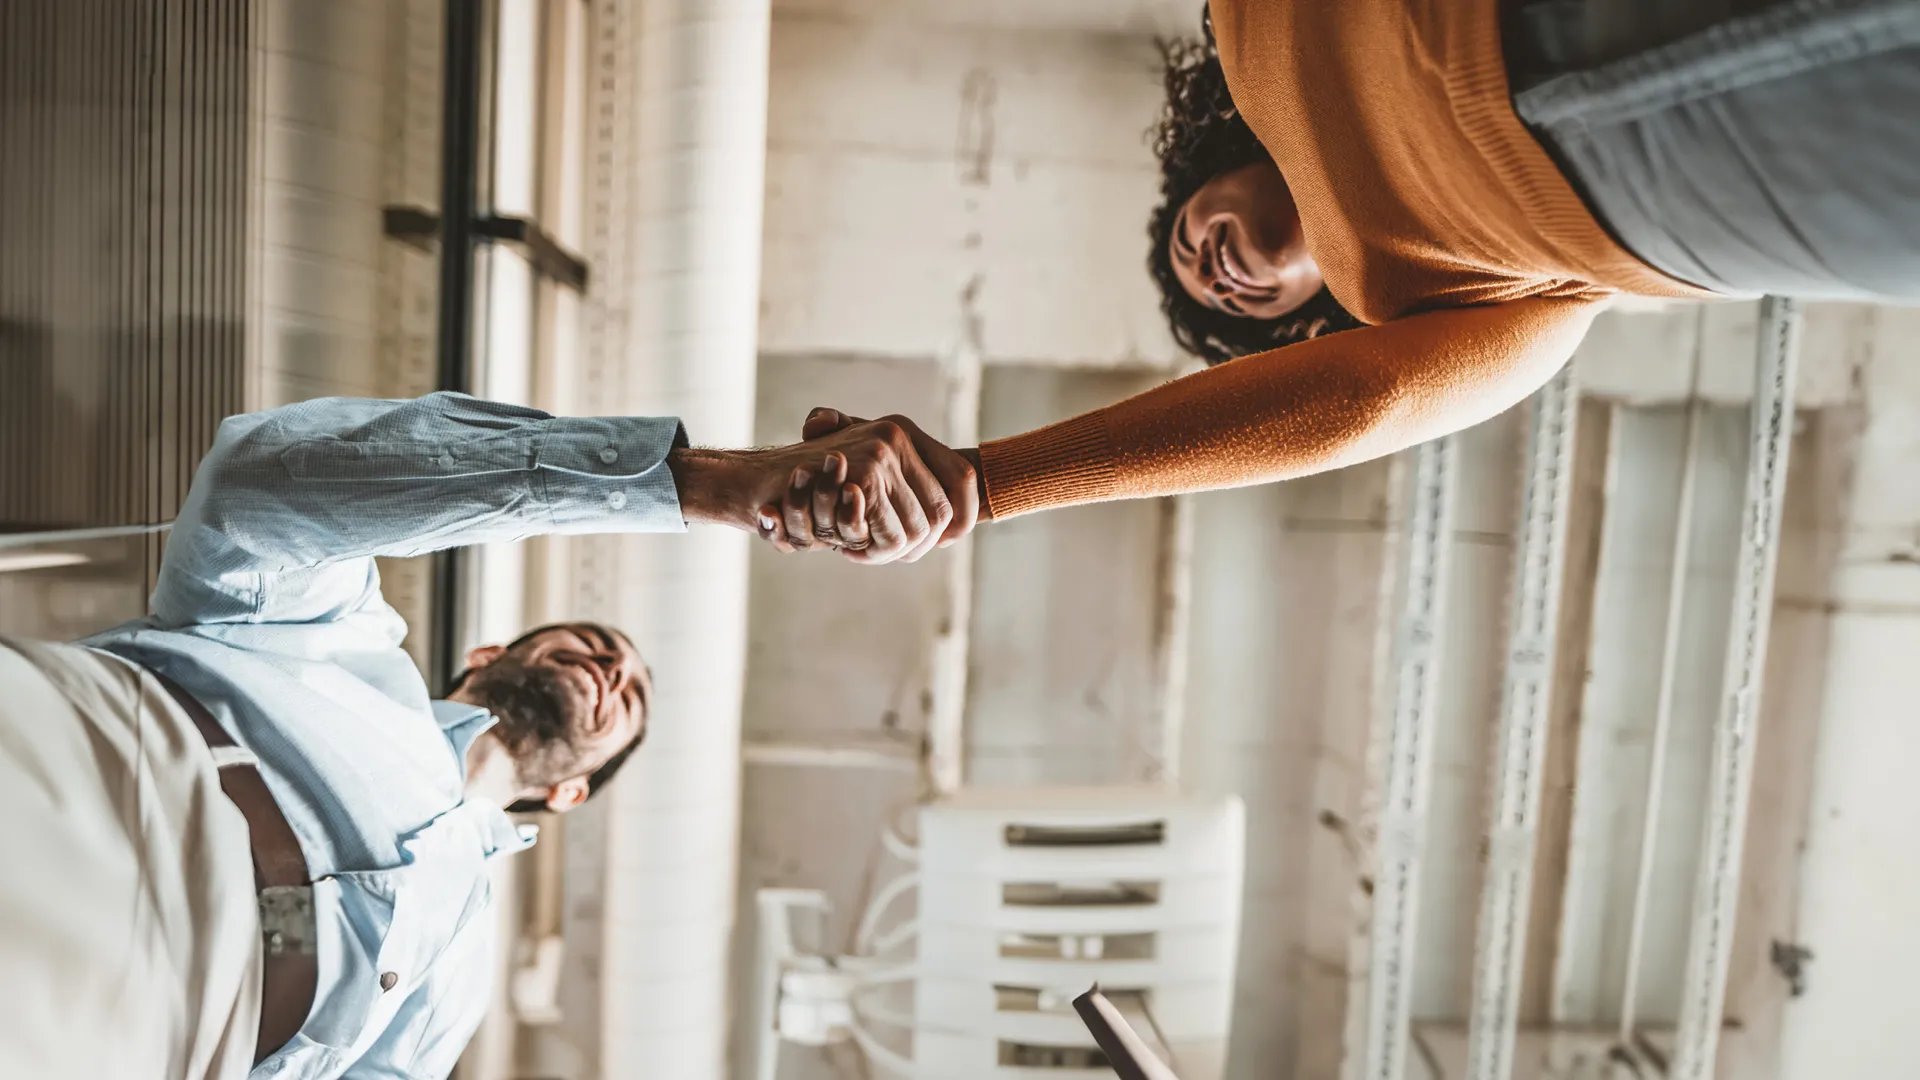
x=899, y=496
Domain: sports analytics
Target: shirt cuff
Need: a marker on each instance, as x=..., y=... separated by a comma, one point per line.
x=609, y=474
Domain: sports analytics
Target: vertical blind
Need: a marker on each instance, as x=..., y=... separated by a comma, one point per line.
x=125, y=146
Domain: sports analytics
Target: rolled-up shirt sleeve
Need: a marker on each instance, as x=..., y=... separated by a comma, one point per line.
x=290, y=506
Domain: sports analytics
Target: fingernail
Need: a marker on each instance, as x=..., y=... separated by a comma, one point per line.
x=766, y=523
x=801, y=478
x=846, y=496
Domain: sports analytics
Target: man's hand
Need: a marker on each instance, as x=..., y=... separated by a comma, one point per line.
x=875, y=498
x=805, y=517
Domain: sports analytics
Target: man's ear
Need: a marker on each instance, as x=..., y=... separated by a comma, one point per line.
x=567, y=794
x=482, y=655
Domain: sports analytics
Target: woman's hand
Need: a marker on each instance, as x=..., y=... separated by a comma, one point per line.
x=828, y=507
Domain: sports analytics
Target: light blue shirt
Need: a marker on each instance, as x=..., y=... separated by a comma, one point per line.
x=268, y=609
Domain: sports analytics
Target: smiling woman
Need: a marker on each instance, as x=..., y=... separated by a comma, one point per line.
x=1474, y=206
x=1228, y=251
x=1237, y=246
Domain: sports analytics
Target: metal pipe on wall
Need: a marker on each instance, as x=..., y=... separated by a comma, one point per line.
x=679, y=127
x=1663, y=708
x=1403, y=752
x=1520, y=740
x=1730, y=784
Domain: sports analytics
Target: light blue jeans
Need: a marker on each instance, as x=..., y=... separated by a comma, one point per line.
x=1744, y=146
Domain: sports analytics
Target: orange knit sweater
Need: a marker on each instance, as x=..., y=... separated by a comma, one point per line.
x=1434, y=215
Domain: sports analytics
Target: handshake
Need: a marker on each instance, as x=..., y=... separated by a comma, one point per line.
x=877, y=491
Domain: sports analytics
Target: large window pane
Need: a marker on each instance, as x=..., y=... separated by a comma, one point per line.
x=516, y=109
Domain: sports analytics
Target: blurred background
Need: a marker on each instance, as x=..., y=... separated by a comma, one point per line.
x=735, y=210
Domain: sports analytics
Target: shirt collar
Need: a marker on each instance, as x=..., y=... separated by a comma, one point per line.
x=462, y=723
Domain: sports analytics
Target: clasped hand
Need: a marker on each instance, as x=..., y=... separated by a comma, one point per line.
x=877, y=491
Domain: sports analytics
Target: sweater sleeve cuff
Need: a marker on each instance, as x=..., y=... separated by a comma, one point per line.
x=1069, y=462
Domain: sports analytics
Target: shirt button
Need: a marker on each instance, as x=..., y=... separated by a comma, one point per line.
x=617, y=500
x=446, y=461
x=609, y=455
x=387, y=979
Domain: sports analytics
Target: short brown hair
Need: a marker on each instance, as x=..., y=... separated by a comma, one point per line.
x=603, y=775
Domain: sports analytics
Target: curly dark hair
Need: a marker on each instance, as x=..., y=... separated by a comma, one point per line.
x=1199, y=136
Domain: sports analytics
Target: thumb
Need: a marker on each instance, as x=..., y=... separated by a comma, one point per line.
x=822, y=422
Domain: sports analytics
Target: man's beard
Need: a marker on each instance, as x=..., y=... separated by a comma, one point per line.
x=530, y=704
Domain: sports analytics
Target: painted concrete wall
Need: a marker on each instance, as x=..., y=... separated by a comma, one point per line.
x=915, y=172
x=1062, y=686
x=1287, y=596
x=1859, y=881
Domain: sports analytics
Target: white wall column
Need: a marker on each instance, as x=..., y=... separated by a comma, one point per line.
x=678, y=133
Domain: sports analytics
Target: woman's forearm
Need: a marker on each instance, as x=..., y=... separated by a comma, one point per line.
x=1317, y=405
